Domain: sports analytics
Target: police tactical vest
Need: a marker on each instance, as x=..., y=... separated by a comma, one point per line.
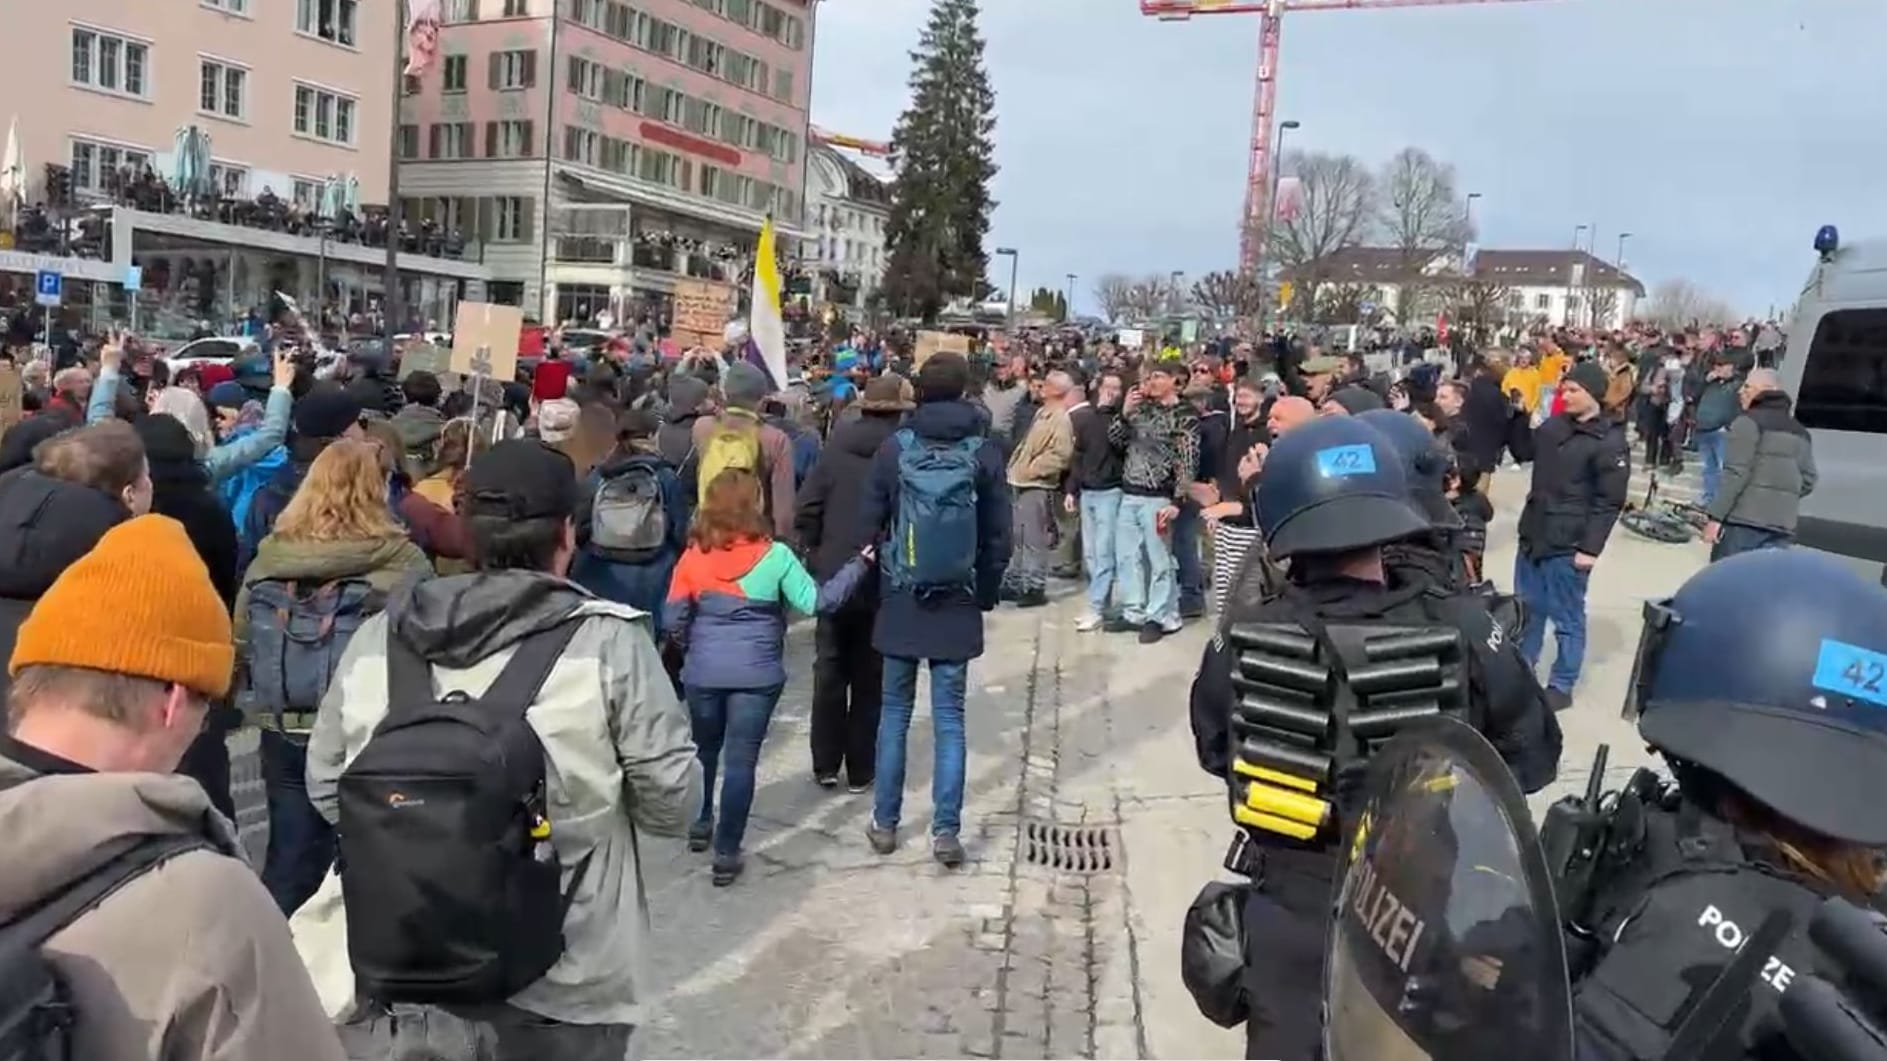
x=1312, y=699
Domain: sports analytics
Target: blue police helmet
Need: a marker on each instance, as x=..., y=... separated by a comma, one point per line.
x=1333, y=485
x=1423, y=460
x=1770, y=669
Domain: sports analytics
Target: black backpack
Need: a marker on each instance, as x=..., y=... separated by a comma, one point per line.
x=36, y=1012
x=629, y=516
x=452, y=886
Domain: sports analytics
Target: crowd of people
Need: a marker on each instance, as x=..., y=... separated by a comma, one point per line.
x=490, y=632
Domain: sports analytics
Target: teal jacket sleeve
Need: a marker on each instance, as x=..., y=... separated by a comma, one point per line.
x=797, y=588
x=104, y=400
x=232, y=457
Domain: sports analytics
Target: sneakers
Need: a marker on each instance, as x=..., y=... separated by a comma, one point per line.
x=947, y=850
x=1089, y=623
x=1558, y=699
x=727, y=869
x=698, y=836
x=1034, y=598
x=883, y=838
x=858, y=787
x=826, y=780
x=1117, y=625
x=1151, y=633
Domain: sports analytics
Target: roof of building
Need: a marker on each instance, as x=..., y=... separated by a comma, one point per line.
x=862, y=184
x=1514, y=268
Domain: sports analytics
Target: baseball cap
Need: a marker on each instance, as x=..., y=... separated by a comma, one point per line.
x=521, y=479
x=1317, y=366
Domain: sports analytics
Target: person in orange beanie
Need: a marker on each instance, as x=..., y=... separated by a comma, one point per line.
x=120, y=875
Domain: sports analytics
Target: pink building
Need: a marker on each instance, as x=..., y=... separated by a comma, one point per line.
x=601, y=151
x=291, y=94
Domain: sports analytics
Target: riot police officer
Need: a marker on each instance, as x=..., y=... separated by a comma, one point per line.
x=1763, y=683
x=1432, y=555
x=1303, y=681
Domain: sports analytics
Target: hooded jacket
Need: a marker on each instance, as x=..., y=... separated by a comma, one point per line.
x=617, y=746
x=233, y=455
x=420, y=427
x=948, y=627
x=727, y=608
x=180, y=489
x=45, y=525
x=190, y=961
x=827, y=520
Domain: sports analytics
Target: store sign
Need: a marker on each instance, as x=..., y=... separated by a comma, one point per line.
x=70, y=268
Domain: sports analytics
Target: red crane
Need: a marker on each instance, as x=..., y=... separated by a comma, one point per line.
x=1259, y=185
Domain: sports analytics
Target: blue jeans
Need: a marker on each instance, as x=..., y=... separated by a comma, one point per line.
x=1555, y=590
x=734, y=721
x=1192, y=567
x=1100, y=511
x=1734, y=538
x=301, y=842
x=947, y=681
x=1146, y=584
x=1710, y=448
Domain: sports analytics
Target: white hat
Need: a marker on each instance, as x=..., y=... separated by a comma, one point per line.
x=734, y=332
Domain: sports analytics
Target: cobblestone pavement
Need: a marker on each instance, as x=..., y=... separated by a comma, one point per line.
x=1035, y=948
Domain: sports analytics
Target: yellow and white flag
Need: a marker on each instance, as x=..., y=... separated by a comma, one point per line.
x=766, y=326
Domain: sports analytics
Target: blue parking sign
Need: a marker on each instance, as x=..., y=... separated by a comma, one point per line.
x=48, y=288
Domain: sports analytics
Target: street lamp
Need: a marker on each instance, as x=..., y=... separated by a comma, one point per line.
x=1071, y=299
x=1620, y=261
x=1173, y=299
x=1471, y=197
x=1271, y=213
x=1014, y=259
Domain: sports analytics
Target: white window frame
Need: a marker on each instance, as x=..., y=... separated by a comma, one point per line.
x=99, y=36
x=517, y=8
x=511, y=65
x=296, y=183
x=457, y=11
x=511, y=140
x=224, y=67
x=239, y=8
x=93, y=182
x=508, y=214
x=466, y=133
x=334, y=98
x=346, y=22
x=445, y=72
x=220, y=173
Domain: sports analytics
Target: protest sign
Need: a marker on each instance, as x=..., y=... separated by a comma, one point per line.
x=702, y=310
x=930, y=344
x=495, y=329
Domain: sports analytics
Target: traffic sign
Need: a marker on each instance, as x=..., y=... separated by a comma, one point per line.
x=133, y=278
x=48, y=288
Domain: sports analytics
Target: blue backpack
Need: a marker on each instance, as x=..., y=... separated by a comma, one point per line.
x=296, y=637
x=933, y=538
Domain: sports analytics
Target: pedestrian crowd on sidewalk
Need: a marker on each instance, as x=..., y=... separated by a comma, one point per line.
x=489, y=635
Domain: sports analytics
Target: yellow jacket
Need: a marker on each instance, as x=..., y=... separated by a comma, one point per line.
x=1525, y=379
x=1553, y=367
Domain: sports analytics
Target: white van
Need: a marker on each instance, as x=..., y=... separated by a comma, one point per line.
x=1836, y=369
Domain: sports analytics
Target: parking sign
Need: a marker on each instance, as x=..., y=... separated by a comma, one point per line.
x=48, y=288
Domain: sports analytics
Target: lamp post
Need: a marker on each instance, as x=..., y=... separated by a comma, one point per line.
x=1071, y=299
x=1014, y=259
x=1471, y=197
x=1172, y=299
x=1271, y=213
x=1619, y=262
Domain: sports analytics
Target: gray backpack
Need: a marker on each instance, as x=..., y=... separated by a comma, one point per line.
x=629, y=517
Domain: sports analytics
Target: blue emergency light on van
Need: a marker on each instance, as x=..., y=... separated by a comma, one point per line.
x=1827, y=241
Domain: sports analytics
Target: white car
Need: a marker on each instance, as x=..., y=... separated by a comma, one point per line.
x=213, y=350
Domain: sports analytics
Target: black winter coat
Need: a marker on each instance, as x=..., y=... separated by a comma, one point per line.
x=46, y=524
x=827, y=519
x=180, y=489
x=1486, y=413
x=1581, y=471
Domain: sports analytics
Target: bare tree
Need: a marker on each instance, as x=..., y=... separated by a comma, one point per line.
x=1601, y=303
x=1149, y=296
x=1421, y=214
x=1111, y=293
x=1476, y=305
x=1335, y=209
x=1679, y=303
x=1228, y=295
x=1346, y=304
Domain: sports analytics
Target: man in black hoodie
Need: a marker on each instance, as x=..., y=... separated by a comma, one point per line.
x=848, y=672
x=1094, y=491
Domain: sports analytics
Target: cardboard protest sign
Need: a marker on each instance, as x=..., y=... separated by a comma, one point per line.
x=10, y=410
x=495, y=328
x=702, y=310
x=932, y=343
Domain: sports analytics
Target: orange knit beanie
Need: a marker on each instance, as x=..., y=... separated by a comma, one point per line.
x=139, y=603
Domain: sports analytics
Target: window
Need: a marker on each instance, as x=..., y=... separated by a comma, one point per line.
x=230, y=182
x=224, y=89
x=324, y=115
x=409, y=141
x=517, y=8
x=509, y=139
x=586, y=78
x=1844, y=377
x=513, y=70
x=511, y=219
x=234, y=7
x=452, y=73
x=580, y=145
x=307, y=193
x=451, y=140
x=783, y=84
x=1543, y=302
x=113, y=64
x=330, y=20
x=458, y=11
x=92, y=161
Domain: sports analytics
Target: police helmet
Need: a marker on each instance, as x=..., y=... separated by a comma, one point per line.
x=1770, y=669
x=1423, y=459
x=1332, y=485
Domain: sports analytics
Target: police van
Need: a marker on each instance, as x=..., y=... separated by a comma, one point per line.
x=1836, y=370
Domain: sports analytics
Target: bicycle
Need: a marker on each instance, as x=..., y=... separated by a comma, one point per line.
x=1665, y=522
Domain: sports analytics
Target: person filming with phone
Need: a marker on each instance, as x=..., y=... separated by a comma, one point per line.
x=1160, y=434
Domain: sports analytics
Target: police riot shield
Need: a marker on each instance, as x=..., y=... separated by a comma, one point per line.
x=1445, y=941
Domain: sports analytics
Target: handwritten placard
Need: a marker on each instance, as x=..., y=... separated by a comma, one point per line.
x=10, y=410
x=702, y=310
x=493, y=328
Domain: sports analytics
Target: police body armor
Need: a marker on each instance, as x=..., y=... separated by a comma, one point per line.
x=1314, y=699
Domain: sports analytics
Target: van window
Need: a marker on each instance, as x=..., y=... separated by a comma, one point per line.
x=1844, y=377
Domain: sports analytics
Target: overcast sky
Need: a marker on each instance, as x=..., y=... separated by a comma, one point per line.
x=1720, y=133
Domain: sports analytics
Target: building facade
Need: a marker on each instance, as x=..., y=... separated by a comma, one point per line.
x=291, y=97
x=847, y=207
x=604, y=152
x=1515, y=288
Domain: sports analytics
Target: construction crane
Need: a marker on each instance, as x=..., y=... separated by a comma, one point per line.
x=874, y=148
x=1255, y=222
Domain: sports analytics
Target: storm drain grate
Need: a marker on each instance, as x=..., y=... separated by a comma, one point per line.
x=1068, y=848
